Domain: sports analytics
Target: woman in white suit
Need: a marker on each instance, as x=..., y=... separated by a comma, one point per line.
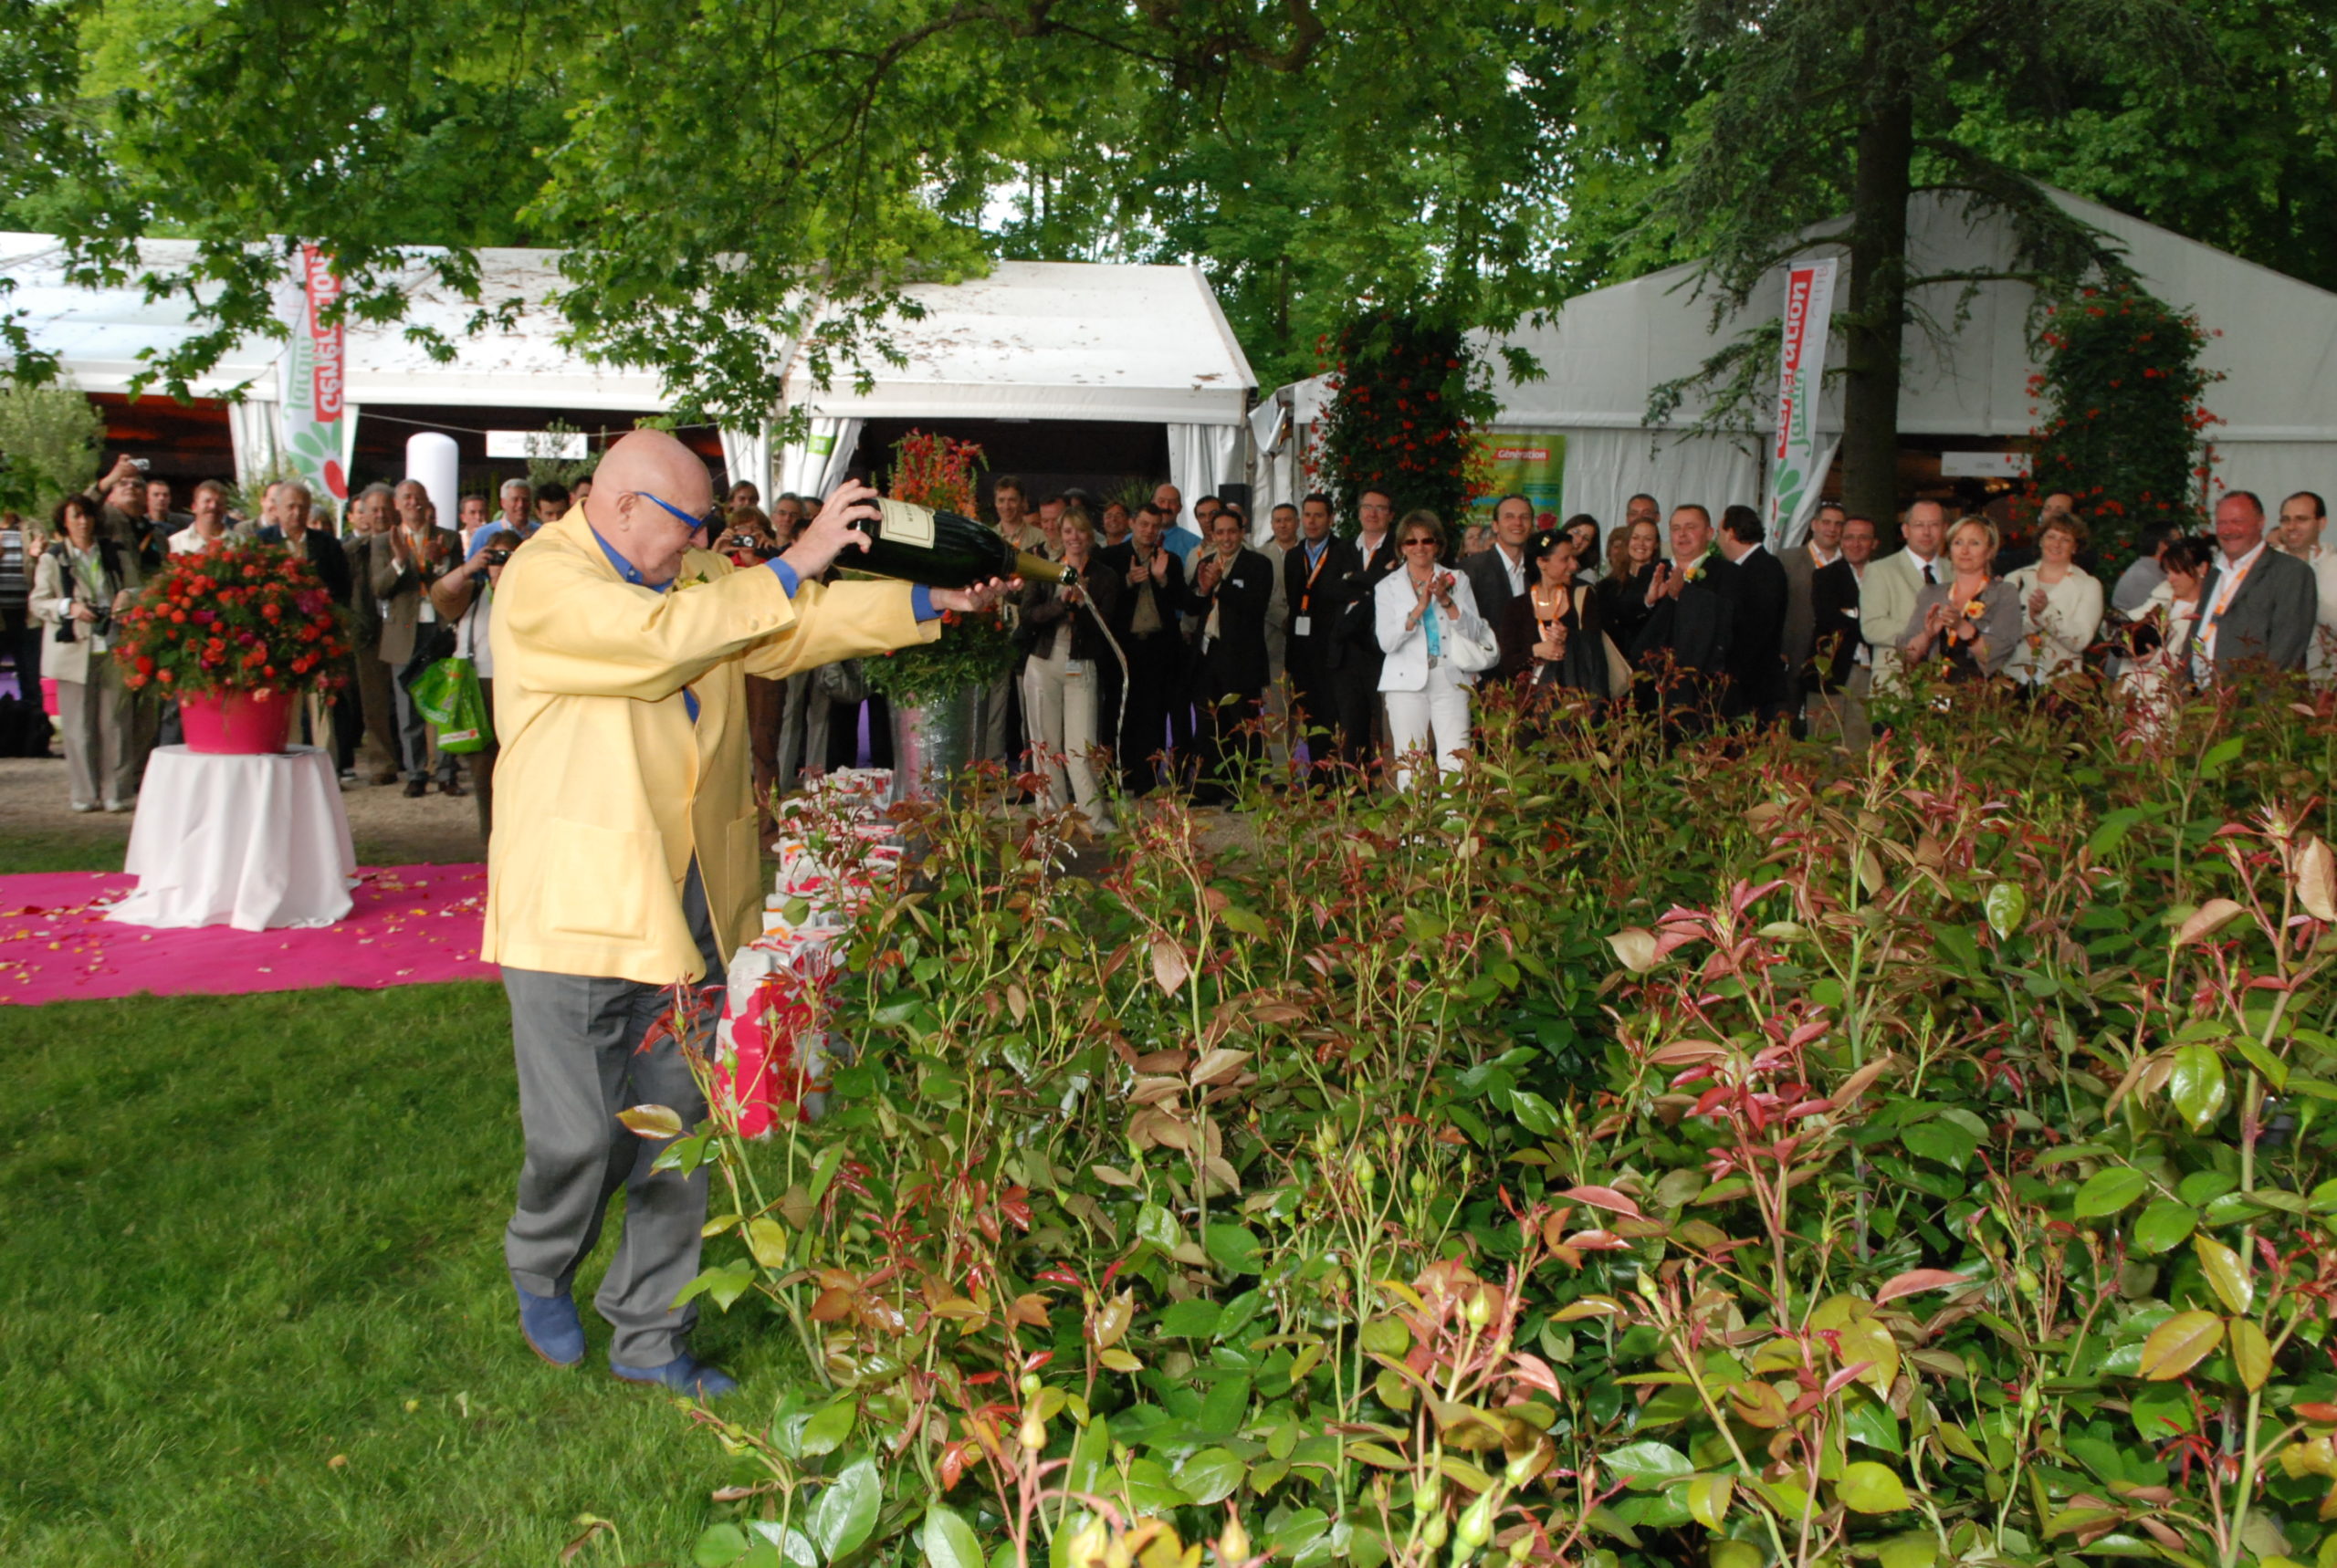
x=1435, y=643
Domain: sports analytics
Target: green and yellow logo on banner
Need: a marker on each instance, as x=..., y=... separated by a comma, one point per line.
x=1532, y=464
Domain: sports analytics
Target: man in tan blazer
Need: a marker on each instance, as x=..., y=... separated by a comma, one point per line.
x=414, y=554
x=621, y=657
x=1887, y=594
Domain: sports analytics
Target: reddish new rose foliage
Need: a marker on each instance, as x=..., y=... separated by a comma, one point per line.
x=247, y=618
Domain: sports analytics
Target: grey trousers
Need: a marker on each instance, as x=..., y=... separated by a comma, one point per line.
x=576, y=1042
x=416, y=739
x=992, y=741
x=100, y=735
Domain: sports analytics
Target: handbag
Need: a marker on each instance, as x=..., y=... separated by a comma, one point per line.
x=1619, y=669
x=449, y=695
x=1471, y=655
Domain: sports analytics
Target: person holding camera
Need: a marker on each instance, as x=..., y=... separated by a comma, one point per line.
x=464, y=600
x=82, y=581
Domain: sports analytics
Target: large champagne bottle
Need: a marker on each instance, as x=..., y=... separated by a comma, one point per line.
x=940, y=549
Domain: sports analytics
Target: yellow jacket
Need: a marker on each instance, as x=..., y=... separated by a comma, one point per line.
x=605, y=789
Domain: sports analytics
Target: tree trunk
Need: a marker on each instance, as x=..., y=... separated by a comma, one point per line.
x=1877, y=313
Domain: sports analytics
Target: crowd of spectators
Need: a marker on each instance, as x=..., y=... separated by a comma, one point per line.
x=1348, y=653
x=1174, y=657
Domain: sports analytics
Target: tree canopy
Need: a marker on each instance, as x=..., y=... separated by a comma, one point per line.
x=715, y=172
x=723, y=176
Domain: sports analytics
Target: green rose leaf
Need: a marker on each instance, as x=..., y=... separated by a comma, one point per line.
x=2107, y=1192
x=1868, y=1487
x=2164, y=1224
x=1645, y=1466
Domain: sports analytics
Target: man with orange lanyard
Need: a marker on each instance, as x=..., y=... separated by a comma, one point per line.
x=1310, y=571
x=2258, y=604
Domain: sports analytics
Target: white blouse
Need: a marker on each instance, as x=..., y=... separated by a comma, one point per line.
x=2054, y=642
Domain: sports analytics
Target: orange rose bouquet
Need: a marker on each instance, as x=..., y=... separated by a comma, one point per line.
x=248, y=619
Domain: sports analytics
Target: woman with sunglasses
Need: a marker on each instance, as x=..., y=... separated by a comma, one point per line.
x=1434, y=644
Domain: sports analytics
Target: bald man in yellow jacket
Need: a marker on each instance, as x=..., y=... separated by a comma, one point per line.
x=625, y=858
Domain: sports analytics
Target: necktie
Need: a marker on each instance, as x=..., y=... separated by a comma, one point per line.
x=1929, y=581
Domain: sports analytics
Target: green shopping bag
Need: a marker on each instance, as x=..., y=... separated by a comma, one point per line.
x=449, y=695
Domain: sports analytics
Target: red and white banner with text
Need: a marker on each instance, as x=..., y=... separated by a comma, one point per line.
x=310, y=410
x=1795, y=472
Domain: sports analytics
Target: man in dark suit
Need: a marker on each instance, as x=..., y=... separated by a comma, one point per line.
x=1232, y=589
x=297, y=532
x=1355, y=670
x=1691, y=620
x=1756, y=666
x=2258, y=606
x=1842, y=665
x=1498, y=575
x=1311, y=571
x=1145, y=625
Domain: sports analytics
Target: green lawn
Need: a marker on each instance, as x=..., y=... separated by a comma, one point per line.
x=253, y=1308
x=43, y=851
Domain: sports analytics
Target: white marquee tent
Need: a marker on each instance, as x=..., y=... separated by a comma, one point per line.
x=1038, y=340
x=1032, y=340
x=1607, y=349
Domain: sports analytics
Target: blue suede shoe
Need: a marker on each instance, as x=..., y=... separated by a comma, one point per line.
x=552, y=1328
x=684, y=1375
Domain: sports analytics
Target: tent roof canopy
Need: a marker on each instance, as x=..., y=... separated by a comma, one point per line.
x=1032, y=340
x=1606, y=350
x=1043, y=339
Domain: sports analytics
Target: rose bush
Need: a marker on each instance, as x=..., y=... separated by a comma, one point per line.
x=1743, y=1154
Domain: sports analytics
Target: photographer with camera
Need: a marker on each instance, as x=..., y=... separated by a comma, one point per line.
x=83, y=580
x=464, y=600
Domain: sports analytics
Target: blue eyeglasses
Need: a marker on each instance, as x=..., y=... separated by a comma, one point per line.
x=711, y=521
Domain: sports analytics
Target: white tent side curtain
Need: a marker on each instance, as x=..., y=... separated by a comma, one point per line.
x=1201, y=458
x=1605, y=468
x=251, y=435
x=817, y=464
x=746, y=455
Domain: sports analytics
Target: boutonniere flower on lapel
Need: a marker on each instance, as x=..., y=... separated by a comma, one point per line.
x=1976, y=610
x=696, y=579
x=1696, y=573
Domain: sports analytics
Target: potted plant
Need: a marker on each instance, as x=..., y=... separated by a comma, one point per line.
x=932, y=686
x=235, y=636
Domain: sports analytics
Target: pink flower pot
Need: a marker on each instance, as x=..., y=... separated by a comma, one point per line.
x=238, y=724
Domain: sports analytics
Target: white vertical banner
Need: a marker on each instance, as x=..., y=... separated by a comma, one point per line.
x=1794, y=474
x=310, y=383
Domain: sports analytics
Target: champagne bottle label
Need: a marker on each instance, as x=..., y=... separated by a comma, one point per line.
x=904, y=523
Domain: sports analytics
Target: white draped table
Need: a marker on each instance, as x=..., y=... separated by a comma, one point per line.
x=253, y=842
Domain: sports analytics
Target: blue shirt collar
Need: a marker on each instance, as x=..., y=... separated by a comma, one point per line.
x=1315, y=547
x=626, y=568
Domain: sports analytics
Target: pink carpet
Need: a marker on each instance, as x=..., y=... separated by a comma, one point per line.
x=412, y=925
